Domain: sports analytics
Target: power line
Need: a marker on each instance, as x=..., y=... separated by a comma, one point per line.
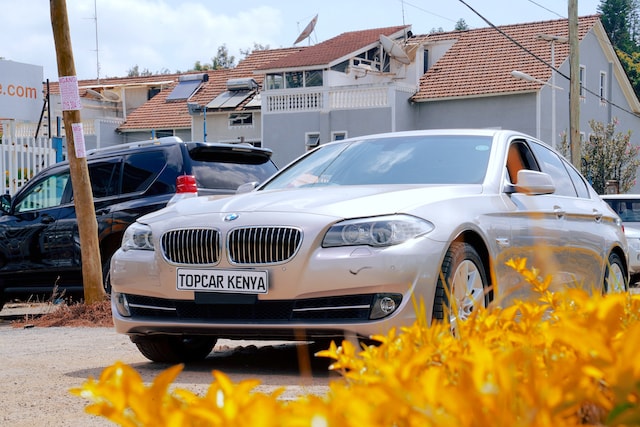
x=545, y=62
x=546, y=8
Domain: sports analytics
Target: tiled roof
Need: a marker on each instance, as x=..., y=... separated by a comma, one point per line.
x=157, y=113
x=333, y=49
x=481, y=60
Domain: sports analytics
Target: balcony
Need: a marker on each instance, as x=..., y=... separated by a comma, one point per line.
x=325, y=99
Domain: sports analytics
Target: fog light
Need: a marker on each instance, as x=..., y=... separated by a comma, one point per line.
x=384, y=305
x=121, y=303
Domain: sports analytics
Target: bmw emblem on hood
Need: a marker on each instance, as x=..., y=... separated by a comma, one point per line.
x=231, y=217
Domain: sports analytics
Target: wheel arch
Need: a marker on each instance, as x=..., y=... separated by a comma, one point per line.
x=474, y=239
x=620, y=252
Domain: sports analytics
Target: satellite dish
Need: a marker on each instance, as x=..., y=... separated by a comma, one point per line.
x=307, y=30
x=394, y=50
x=95, y=94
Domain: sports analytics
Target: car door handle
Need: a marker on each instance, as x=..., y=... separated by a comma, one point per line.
x=597, y=215
x=47, y=219
x=559, y=212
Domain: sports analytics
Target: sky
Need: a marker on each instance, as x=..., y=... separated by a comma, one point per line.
x=109, y=37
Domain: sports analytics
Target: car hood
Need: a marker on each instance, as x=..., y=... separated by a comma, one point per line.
x=334, y=201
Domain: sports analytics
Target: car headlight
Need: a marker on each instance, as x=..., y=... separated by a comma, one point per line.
x=137, y=236
x=378, y=231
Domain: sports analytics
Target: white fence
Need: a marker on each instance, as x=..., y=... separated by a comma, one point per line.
x=21, y=157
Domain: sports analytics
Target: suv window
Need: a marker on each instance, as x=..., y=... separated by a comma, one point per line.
x=141, y=170
x=45, y=194
x=214, y=169
x=105, y=179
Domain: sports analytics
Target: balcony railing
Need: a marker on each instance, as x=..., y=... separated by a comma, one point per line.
x=329, y=99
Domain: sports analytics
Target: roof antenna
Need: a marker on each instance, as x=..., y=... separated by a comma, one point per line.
x=95, y=18
x=307, y=30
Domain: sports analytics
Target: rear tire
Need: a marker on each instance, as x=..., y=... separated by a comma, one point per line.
x=174, y=348
x=465, y=283
x=615, y=277
x=106, y=275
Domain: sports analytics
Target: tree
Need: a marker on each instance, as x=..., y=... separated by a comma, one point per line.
x=461, y=25
x=616, y=17
x=135, y=72
x=256, y=46
x=621, y=21
x=607, y=155
x=223, y=59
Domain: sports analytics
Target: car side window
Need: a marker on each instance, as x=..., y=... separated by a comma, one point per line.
x=141, y=171
x=578, y=181
x=104, y=179
x=46, y=193
x=519, y=157
x=551, y=163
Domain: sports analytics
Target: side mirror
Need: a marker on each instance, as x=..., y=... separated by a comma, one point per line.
x=534, y=182
x=247, y=187
x=5, y=203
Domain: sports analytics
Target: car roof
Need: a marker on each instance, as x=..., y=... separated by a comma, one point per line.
x=620, y=196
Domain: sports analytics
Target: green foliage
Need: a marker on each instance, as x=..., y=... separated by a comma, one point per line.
x=621, y=21
x=607, y=155
x=461, y=25
x=256, y=46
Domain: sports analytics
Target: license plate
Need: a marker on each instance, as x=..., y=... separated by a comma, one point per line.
x=232, y=281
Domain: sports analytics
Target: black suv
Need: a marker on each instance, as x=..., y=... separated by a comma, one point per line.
x=39, y=241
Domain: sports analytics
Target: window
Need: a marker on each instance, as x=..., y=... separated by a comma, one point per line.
x=294, y=79
x=240, y=119
x=162, y=133
x=45, y=194
x=338, y=136
x=313, y=78
x=105, y=179
x=312, y=140
x=275, y=81
x=425, y=61
x=552, y=164
x=603, y=87
x=583, y=76
x=141, y=170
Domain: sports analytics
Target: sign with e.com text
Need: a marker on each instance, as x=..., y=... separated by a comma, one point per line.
x=20, y=91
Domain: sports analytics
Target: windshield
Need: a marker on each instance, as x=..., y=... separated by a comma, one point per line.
x=432, y=159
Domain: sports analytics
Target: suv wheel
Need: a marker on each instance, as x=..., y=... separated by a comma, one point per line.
x=106, y=275
x=174, y=348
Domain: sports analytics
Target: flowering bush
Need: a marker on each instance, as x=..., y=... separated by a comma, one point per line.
x=568, y=359
x=606, y=155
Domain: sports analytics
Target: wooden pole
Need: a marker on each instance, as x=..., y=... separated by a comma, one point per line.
x=82, y=195
x=574, y=87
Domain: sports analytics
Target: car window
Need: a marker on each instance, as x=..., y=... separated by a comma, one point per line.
x=46, y=193
x=551, y=163
x=627, y=209
x=227, y=170
x=578, y=181
x=519, y=157
x=429, y=159
x=140, y=173
x=105, y=179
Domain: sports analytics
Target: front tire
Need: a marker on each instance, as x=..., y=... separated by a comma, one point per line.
x=174, y=348
x=463, y=282
x=615, y=278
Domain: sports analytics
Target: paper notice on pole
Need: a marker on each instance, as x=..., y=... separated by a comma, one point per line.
x=78, y=140
x=69, y=93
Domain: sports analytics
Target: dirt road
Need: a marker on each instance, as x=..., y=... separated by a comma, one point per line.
x=40, y=365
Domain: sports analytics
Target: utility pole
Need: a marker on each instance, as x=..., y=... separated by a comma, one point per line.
x=82, y=195
x=574, y=88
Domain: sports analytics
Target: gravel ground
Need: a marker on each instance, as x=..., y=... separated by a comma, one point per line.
x=40, y=365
